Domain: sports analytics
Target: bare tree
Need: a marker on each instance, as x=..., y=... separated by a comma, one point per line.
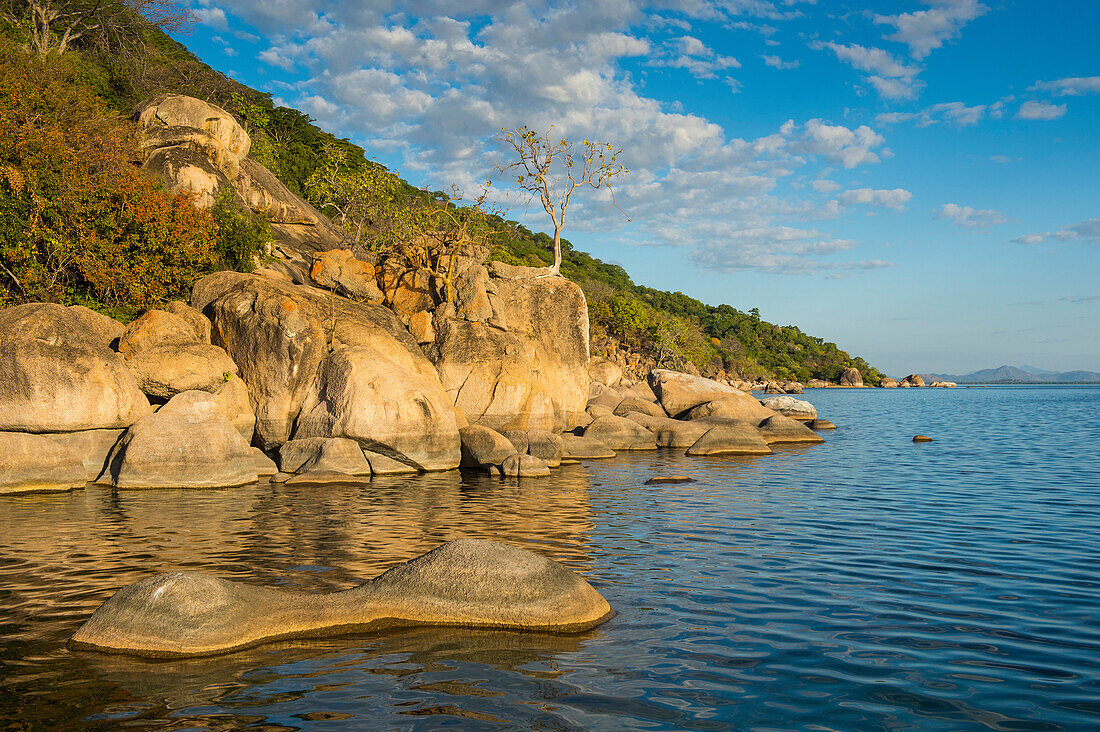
x=55, y=25
x=548, y=168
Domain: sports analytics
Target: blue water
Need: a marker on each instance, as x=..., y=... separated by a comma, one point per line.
x=867, y=583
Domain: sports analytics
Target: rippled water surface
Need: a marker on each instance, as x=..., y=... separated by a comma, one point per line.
x=867, y=583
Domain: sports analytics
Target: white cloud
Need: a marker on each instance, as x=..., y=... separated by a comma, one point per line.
x=890, y=77
x=824, y=186
x=970, y=218
x=926, y=30
x=1029, y=239
x=1001, y=159
x=1088, y=231
x=692, y=55
x=781, y=250
x=1041, y=110
x=213, y=17
x=955, y=113
x=777, y=63
x=894, y=198
x=1074, y=86
x=840, y=144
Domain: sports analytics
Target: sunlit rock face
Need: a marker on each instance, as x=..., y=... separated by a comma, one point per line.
x=526, y=366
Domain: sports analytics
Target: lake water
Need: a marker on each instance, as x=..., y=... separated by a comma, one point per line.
x=867, y=583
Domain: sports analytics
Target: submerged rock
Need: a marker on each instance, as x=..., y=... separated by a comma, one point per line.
x=468, y=583
x=659, y=479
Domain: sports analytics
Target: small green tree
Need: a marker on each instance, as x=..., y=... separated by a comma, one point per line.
x=361, y=200
x=549, y=168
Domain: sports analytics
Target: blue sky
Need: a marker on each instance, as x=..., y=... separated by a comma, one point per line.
x=916, y=180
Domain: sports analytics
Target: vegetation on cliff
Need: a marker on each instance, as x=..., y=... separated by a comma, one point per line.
x=81, y=222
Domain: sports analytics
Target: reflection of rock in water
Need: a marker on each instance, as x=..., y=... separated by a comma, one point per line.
x=283, y=671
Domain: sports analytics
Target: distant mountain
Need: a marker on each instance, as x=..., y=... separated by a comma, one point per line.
x=1076, y=377
x=1017, y=375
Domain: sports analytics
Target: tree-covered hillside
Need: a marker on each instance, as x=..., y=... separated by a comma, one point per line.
x=70, y=234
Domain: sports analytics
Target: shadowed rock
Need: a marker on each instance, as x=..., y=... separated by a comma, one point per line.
x=670, y=432
x=779, y=429
x=620, y=433
x=584, y=448
x=633, y=404
x=738, y=438
x=469, y=583
x=482, y=446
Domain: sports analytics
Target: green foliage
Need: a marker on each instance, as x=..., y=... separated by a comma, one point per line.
x=241, y=233
x=80, y=221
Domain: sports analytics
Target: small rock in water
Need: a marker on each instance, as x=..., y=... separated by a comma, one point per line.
x=326, y=477
x=821, y=424
x=281, y=477
x=669, y=479
x=921, y=438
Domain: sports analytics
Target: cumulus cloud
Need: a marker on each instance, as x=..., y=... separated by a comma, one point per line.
x=890, y=77
x=1074, y=86
x=840, y=144
x=1029, y=239
x=894, y=198
x=970, y=218
x=213, y=17
x=926, y=30
x=1041, y=110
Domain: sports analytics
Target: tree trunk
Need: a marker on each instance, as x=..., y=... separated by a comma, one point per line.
x=556, y=269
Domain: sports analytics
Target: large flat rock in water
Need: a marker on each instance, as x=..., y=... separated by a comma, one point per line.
x=469, y=583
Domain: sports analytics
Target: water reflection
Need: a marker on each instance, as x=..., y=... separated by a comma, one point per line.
x=859, y=584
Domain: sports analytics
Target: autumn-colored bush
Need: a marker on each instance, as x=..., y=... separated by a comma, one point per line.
x=79, y=221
